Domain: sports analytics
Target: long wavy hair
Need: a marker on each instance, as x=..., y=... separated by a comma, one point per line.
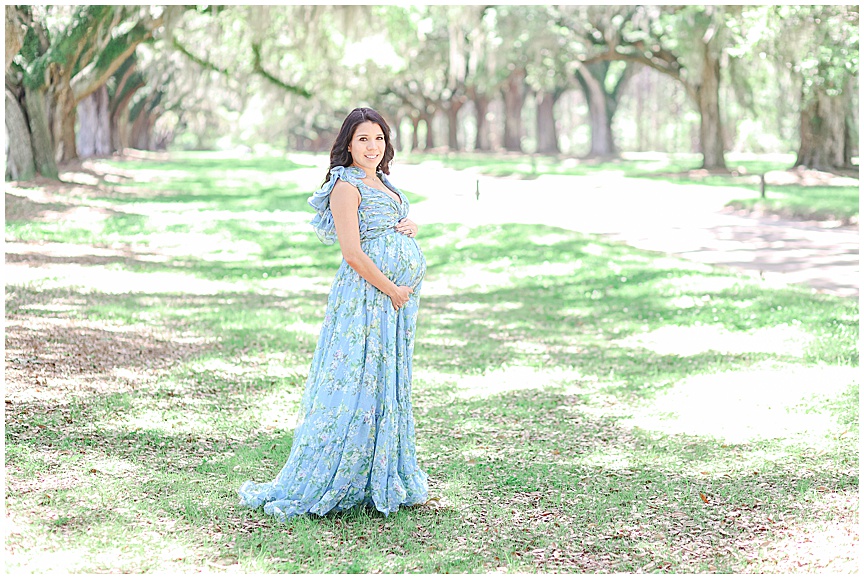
x=339, y=154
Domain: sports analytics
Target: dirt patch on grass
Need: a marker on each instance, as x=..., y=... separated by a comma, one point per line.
x=805, y=217
x=813, y=178
x=40, y=254
x=796, y=176
x=22, y=208
x=55, y=202
x=55, y=356
x=78, y=181
x=52, y=352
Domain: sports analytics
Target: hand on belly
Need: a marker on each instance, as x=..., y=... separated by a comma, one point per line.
x=404, y=262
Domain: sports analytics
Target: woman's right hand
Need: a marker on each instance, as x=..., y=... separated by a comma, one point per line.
x=400, y=296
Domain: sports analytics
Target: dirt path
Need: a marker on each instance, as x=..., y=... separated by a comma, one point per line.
x=690, y=221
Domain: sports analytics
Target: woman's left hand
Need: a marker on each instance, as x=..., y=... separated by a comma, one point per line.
x=407, y=227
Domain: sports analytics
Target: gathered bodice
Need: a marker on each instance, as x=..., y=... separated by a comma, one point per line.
x=378, y=212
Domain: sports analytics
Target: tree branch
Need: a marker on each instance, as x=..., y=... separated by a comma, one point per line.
x=109, y=60
x=257, y=67
x=118, y=106
x=124, y=85
x=87, y=20
x=405, y=97
x=672, y=69
x=14, y=35
x=198, y=60
x=125, y=71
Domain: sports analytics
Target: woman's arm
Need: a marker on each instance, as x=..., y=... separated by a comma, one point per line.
x=344, y=201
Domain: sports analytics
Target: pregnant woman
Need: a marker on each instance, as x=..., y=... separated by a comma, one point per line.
x=354, y=444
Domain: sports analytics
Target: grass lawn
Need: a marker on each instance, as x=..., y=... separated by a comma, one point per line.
x=794, y=201
x=835, y=203
x=581, y=406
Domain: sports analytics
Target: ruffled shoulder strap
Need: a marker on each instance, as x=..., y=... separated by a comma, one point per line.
x=323, y=222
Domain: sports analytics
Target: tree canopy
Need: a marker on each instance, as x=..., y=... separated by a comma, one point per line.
x=579, y=80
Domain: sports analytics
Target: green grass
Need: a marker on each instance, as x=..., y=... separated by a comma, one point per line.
x=565, y=391
x=813, y=202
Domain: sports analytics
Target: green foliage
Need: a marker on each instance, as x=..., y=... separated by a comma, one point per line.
x=829, y=55
x=812, y=48
x=31, y=48
x=119, y=44
x=85, y=24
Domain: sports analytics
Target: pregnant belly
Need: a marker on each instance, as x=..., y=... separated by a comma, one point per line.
x=399, y=258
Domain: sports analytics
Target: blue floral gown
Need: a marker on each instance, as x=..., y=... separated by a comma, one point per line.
x=354, y=444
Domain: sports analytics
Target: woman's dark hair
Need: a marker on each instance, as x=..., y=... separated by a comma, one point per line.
x=339, y=154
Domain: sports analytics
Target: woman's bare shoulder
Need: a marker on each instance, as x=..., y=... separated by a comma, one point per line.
x=345, y=190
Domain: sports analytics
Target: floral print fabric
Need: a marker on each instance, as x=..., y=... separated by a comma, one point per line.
x=354, y=444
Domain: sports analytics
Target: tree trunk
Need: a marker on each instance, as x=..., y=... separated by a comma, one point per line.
x=850, y=143
x=453, y=124
x=547, y=134
x=143, y=116
x=514, y=98
x=482, y=142
x=140, y=137
x=120, y=116
x=395, y=132
x=640, y=115
x=20, y=165
x=40, y=133
x=823, y=133
x=14, y=36
x=430, y=137
x=853, y=133
x=708, y=100
x=591, y=78
x=94, y=133
x=119, y=124
x=119, y=133
x=61, y=118
x=415, y=133
x=68, y=150
x=143, y=136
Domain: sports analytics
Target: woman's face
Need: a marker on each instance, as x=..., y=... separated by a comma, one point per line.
x=367, y=146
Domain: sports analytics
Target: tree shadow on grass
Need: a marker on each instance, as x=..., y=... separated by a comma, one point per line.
x=24, y=209
x=197, y=163
x=80, y=357
x=39, y=256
